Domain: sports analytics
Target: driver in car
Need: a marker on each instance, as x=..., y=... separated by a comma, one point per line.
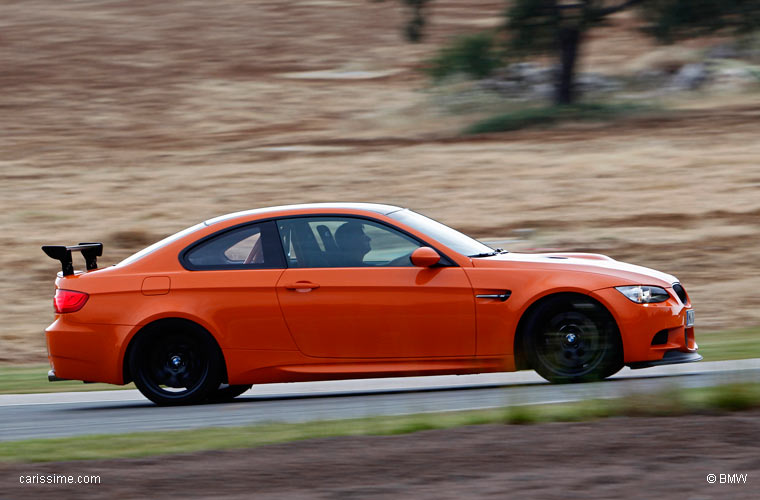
x=353, y=243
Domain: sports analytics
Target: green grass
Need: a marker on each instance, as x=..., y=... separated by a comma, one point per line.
x=668, y=403
x=742, y=343
x=224, y=438
x=24, y=379
x=552, y=115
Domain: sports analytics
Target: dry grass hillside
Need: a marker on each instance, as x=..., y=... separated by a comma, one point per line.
x=125, y=121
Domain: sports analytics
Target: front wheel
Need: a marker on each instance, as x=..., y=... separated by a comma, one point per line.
x=573, y=340
x=175, y=364
x=227, y=393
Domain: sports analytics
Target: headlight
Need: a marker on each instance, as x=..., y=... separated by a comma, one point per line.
x=644, y=294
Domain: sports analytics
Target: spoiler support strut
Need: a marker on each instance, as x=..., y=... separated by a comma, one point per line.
x=90, y=252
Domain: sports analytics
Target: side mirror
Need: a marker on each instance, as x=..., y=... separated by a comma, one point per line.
x=425, y=257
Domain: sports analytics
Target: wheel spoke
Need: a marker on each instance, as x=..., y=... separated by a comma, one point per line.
x=178, y=365
x=174, y=363
x=174, y=381
x=571, y=344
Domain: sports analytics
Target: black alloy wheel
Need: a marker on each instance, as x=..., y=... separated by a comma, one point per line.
x=176, y=365
x=572, y=340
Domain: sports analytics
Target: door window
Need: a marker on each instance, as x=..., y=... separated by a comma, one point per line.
x=344, y=242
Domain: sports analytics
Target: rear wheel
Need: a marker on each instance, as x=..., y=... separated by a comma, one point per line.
x=570, y=339
x=175, y=364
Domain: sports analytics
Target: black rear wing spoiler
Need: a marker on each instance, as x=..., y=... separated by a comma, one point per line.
x=90, y=252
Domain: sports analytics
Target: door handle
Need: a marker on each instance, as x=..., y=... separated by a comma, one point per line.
x=302, y=286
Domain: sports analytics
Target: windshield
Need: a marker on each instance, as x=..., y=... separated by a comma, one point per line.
x=174, y=237
x=445, y=235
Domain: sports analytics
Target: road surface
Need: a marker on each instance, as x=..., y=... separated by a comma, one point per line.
x=26, y=416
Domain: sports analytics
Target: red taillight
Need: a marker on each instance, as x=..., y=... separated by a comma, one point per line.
x=69, y=301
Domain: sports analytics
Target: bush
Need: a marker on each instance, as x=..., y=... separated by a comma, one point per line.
x=550, y=115
x=474, y=55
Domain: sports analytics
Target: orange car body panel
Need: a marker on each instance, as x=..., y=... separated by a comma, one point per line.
x=355, y=313
x=360, y=322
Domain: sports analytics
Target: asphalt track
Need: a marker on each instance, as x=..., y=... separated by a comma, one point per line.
x=26, y=416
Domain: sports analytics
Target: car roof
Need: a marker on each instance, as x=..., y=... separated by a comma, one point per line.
x=327, y=207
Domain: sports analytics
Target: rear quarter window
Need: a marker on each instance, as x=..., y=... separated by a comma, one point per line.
x=251, y=246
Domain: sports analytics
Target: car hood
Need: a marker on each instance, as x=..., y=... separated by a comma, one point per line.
x=580, y=262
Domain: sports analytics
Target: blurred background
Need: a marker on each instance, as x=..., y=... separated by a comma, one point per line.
x=126, y=121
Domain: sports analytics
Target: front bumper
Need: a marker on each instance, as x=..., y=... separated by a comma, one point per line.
x=641, y=324
x=670, y=358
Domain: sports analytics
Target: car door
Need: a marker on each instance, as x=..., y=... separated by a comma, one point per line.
x=351, y=291
x=233, y=286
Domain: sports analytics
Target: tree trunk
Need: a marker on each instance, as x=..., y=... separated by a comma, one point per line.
x=569, y=40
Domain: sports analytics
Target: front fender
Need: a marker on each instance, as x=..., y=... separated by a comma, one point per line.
x=497, y=321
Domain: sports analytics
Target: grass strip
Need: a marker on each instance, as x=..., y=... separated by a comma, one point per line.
x=723, y=398
x=32, y=378
x=743, y=343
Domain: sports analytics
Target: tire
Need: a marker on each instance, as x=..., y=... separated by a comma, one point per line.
x=572, y=339
x=176, y=364
x=227, y=393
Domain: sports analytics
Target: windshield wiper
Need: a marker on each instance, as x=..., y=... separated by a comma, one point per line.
x=484, y=254
x=488, y=254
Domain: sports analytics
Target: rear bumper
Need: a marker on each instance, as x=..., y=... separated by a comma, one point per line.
x=670, y=358
x=88, y=352
x=53, y=378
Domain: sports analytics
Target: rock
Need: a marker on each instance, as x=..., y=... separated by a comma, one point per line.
x=596, y=82
x=651, y=78
x=507, y=88
x=530, y=73
x=723, y=51
x=543, y=91
x=690, y=76
x=733, y=78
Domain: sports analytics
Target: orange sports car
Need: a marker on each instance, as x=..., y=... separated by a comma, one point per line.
x=351, y=290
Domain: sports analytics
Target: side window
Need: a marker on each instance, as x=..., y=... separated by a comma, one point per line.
x=252, y=246
x=344, y=242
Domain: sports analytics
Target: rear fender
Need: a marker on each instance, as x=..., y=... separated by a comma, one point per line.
x=156, y=322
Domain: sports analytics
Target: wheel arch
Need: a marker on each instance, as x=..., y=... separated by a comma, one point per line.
x=521, y=362
x=160, y=323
